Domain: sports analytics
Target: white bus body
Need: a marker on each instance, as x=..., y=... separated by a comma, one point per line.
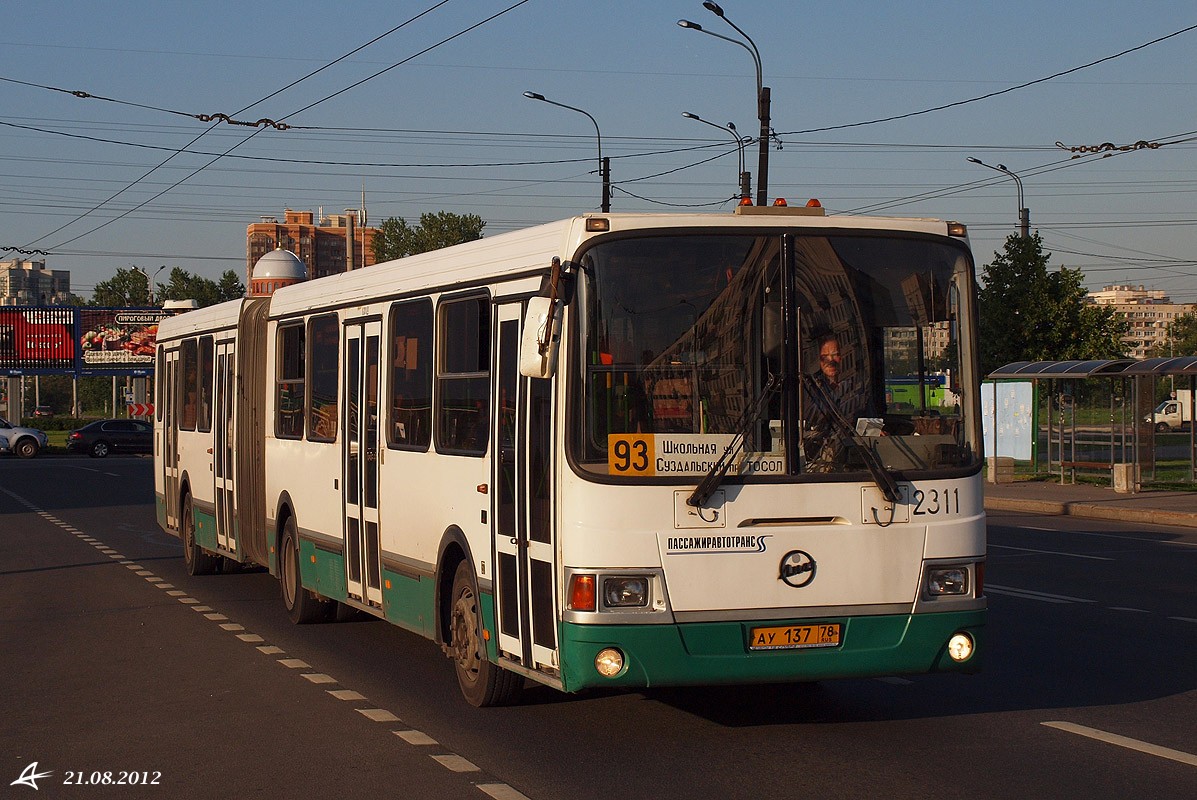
x=369, y=438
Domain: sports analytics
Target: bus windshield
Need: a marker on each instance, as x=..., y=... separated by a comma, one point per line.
x=864, y=333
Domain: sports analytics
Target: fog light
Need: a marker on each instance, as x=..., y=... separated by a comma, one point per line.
x=960, y=647
x=625, y=592
x=947, y=580
x=609, y=662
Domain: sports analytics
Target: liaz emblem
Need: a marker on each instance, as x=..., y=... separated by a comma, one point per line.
x=797, y=568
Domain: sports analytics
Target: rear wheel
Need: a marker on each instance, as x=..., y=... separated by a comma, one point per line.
x=303, y=606
x=482, y=683
x=197, y=560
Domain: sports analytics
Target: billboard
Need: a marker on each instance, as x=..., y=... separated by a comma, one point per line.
x=80, y=341
x=118, y=339
x=35, y=340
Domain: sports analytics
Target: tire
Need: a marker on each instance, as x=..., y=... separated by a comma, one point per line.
x=303, y=606
x=1162, y=428
x=197, y=560
x=26, y=448
x=482, y=682
x=99, y=449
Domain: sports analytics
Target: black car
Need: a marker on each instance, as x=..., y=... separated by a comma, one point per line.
x=105, y=436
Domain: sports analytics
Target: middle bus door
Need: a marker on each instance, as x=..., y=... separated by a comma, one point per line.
x=222, y=447
x=524, y=524
x=170, y=439
x=363, y=554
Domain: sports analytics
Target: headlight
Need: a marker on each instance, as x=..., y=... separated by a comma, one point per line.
x=947, y=581
x=609, y=662
x=625, y=592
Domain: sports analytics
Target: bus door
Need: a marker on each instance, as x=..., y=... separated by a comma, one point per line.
x=524, y=525
x=223, y=434
x=170, y=438
x=359, y=448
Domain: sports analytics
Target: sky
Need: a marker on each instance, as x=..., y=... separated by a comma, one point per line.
x=877, y=108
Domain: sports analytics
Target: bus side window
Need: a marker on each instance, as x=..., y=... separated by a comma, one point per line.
x=289, y=381
x=463, y=375
x=411, y=375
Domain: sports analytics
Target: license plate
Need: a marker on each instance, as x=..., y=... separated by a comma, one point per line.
x=792, y=637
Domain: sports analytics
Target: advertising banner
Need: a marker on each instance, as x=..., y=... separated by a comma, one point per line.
x=118, y=339
x=37, y=340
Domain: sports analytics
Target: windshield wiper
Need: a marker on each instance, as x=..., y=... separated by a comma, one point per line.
x=750, y=417
x=843, y=428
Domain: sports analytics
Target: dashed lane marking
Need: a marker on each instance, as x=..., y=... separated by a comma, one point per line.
x=450, y=761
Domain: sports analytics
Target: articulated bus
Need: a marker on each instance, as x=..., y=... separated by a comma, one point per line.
x=603, y=452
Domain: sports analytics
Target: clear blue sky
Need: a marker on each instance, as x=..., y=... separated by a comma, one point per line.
x=449, y=129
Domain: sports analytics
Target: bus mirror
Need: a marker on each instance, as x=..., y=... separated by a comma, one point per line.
x=541, y=339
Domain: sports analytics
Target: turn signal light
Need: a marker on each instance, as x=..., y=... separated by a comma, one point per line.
x=582, y=596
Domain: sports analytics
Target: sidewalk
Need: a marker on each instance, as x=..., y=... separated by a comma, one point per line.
x=1093, y=502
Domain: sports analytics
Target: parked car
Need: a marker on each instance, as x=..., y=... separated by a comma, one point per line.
x=104, y=436
x=23, y=442
x=43, y=411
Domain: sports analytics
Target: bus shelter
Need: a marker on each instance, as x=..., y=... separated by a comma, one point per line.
x=1172, y=367
x=1127, y=439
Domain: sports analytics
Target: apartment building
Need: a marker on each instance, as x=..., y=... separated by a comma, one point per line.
x=1149, y=312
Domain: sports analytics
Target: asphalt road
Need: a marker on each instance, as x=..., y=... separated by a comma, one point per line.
x=117, y=664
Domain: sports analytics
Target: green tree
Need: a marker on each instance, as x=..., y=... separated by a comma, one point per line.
x=182, y=285
x=1182, y=338
x=396, y=239
x=1029, y=313
x=129, y=287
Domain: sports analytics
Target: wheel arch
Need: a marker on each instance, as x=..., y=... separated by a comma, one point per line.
x=454, y=548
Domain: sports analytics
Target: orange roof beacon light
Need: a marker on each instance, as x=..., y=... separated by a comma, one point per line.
x=745, y=201
x=813, y=203
x=780, y=202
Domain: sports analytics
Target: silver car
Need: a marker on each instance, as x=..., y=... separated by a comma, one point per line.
x=24, y=442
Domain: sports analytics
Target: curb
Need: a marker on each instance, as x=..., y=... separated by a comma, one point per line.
x=1094, y=511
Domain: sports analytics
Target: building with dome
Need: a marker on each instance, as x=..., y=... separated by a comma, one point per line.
x=322, y=243
x=276, y=269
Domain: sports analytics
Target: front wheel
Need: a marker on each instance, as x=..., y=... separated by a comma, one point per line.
x=26, y=448
x=482, y=682
x=303, y=606
x=99, y=450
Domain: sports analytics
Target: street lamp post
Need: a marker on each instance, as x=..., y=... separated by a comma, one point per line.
x=762, y=94
x=1024, y=213
x=604, y=163
x=744, y=177
x=149, y=281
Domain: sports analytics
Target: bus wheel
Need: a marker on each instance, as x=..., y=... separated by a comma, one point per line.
x=482, y=683
x=302, y=605
x=197, y=560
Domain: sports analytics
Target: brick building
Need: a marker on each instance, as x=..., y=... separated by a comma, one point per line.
x=320, y=244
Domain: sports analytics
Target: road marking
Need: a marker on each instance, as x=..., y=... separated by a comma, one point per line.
x=1183, y=619
x=1124, y=741
x=451, y=761
x=1027, y=594
x=378, y=714
x=1048, y=552
x=418, y=738
x=1131, y=610
x=456, y=763
x=294, y=663
x=501, y=791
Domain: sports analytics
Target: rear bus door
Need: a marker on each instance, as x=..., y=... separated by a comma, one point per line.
x=363, y=547
x=170, y=438
x=222, y=447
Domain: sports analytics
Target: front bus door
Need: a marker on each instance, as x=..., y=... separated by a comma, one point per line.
x=363, y=556
x=222, y=447
x=170, y=438
x=524, y=525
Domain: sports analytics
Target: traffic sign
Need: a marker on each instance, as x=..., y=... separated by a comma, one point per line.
x=141, y=409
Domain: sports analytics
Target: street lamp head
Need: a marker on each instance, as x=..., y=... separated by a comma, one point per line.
x=731, y=126
x=1002, y=167
x=685, y=23
x=713, y=8
x=533, y=96
x=688, y=115
x=970, y=158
